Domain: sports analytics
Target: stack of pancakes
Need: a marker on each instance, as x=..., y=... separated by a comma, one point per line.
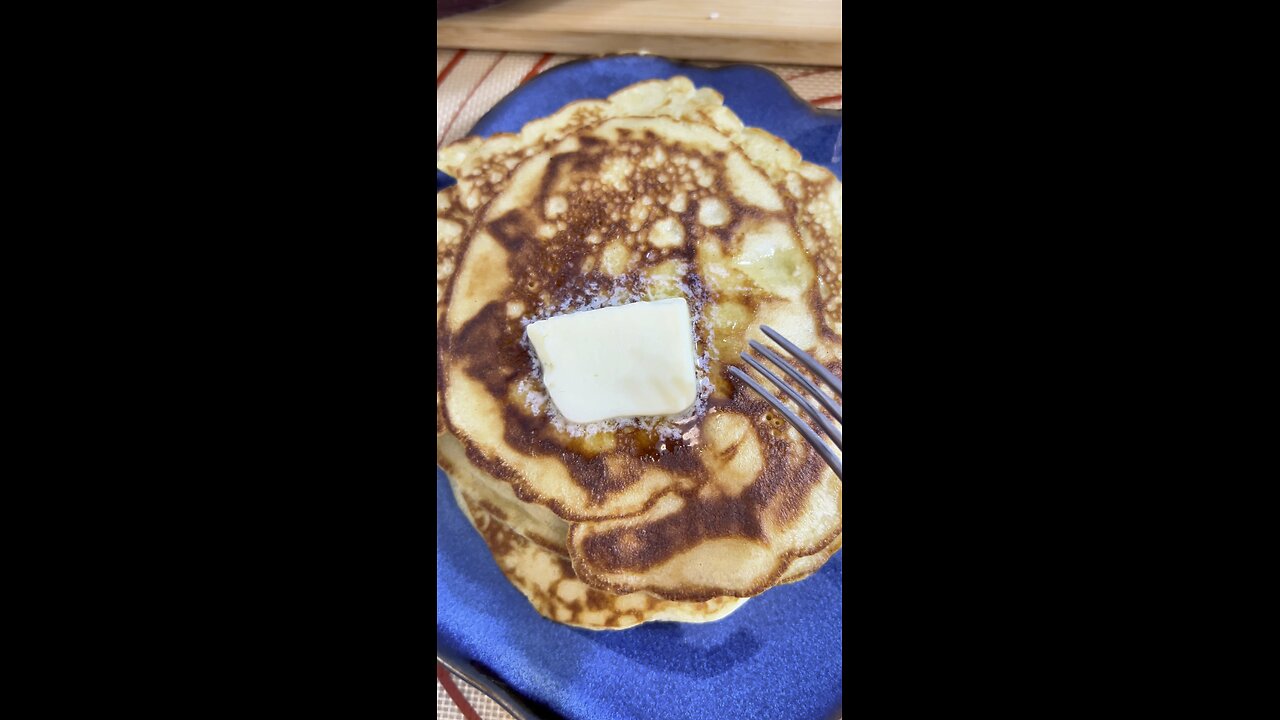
x=658, y=191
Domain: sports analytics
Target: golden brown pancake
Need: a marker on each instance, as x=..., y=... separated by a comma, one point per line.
x=547, y=580
x=589, y=209
x=496, y=498
x=536, y=524
x=482, y=167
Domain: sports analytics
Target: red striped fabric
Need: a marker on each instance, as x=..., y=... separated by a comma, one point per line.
x=446, y=680
x=810, y=73
x=471, y=93
x=536, y=67
x=453, y=62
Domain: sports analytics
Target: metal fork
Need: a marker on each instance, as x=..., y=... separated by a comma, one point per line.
x=823, y=374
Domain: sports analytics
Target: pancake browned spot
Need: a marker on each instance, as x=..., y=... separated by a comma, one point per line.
x=600, y=208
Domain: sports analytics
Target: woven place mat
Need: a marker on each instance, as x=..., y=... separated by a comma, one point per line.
x=475, y=703
x=468, y=83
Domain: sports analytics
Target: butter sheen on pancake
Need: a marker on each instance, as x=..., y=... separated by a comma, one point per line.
x=589, y=208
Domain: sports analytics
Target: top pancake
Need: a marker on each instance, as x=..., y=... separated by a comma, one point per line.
x=482, y=167
x=724, y=500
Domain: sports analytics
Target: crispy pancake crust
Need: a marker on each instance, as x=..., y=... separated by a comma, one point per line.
x=482, y=167
x=547, y=581
x=536, y=524
x=589, y=208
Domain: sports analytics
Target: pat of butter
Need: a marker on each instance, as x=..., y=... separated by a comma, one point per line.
x=624, y=361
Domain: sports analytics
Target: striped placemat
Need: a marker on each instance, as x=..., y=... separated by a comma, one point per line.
x=469, y=82
x=456, y=700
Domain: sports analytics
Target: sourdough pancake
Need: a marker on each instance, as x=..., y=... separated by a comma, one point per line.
x=658, y=192
x=534, y=522
x=541, y=527
x=483, y=165
x=547, y=580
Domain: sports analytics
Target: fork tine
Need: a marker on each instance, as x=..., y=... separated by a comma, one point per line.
x=821, y=397
x=823, y=449
x=823, y=422
x=805, y=358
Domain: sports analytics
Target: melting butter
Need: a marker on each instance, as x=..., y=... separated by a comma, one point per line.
x=625, y=361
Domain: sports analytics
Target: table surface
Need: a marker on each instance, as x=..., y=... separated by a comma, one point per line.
x=468, y=83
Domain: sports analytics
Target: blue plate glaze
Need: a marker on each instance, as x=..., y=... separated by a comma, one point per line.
x=778, y=656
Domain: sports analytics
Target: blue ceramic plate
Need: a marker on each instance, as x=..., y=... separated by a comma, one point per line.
x=778, y=656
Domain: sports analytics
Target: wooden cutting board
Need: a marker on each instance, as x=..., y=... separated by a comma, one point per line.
x=804, y=32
